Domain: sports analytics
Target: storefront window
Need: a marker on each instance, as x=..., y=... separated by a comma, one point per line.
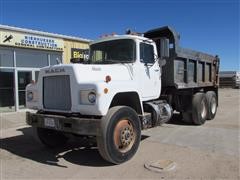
x=6, y=58
x=6, y=90
x=31, y=58
x=24, y=64
x=54, y=58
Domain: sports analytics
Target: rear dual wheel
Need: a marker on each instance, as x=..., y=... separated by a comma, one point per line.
x=120, y=134
x=204, y=107
x=199, y=108
x=212, y=104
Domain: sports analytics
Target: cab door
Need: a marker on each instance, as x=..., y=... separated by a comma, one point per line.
x=150, y=72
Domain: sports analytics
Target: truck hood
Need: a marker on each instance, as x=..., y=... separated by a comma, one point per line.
x=90, y=73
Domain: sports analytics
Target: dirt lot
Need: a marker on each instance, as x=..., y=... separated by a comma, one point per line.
x=210, y=151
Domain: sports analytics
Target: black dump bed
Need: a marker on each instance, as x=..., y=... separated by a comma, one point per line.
x=185, y=68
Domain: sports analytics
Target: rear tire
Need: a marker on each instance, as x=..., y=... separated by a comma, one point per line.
x=187, y=117
x=120, y=134
x=199, y=108
x=51, y=138
x=212, y=104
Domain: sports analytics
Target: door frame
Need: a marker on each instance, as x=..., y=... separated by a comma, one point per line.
x=16, y=70
x=14, y=88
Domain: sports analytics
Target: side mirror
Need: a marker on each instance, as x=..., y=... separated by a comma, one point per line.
x=162, y=62
x=164, y=48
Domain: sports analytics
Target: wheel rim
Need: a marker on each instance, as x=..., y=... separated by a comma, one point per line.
x=124, y=135
x=204, y=110
x=213, y=105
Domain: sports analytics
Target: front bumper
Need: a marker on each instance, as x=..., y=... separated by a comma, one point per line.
x=80, y=126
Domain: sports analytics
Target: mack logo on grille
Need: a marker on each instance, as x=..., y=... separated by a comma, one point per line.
x=56, y=70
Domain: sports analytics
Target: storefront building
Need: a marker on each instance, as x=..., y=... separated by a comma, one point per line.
x=23, y=52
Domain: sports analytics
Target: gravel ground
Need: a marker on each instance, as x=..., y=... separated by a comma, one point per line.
x=210, y=151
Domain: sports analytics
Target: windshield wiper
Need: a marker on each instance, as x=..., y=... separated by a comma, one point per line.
x=117, y=61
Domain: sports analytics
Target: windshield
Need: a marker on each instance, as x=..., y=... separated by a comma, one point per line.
x=115, y=51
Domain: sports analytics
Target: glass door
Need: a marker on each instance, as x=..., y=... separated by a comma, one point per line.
x=24, y=78
x=7, y=90
x=36, y=75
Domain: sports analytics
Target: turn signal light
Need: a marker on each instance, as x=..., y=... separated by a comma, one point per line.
x=108, y=78
x=105, y=90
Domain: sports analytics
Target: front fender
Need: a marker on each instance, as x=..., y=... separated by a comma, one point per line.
x=114, y=88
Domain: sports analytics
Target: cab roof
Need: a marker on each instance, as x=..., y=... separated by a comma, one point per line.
x=117, y=37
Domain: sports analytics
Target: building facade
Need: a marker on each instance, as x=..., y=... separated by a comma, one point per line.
x=23, y=52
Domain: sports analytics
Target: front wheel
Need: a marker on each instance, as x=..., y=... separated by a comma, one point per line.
x=120, y=134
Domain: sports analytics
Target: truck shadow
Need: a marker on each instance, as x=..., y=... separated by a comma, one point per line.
x=76, y=152
x=177, y=120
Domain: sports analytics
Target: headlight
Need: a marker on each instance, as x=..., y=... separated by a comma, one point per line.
x=29, y=96
x=92, y=97
x=88, y=97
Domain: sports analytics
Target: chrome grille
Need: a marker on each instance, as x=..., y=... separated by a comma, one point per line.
x=56, y=92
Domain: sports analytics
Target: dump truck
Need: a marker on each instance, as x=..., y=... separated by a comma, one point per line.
x=229, y=79
x=130, y=82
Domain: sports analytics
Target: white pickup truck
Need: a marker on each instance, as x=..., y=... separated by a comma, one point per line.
x=130, y=82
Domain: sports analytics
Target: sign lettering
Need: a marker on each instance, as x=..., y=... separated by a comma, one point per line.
x=79, y=53
x=18, y=39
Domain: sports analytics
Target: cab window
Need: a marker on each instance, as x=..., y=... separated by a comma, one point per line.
x=146, y=53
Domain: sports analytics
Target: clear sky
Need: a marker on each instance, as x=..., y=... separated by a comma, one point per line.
x=210, y=26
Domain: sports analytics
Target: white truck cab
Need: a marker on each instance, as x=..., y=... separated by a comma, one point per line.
x=117, y=64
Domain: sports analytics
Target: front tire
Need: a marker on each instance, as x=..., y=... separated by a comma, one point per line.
x=120, y=134
x=51, y=138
